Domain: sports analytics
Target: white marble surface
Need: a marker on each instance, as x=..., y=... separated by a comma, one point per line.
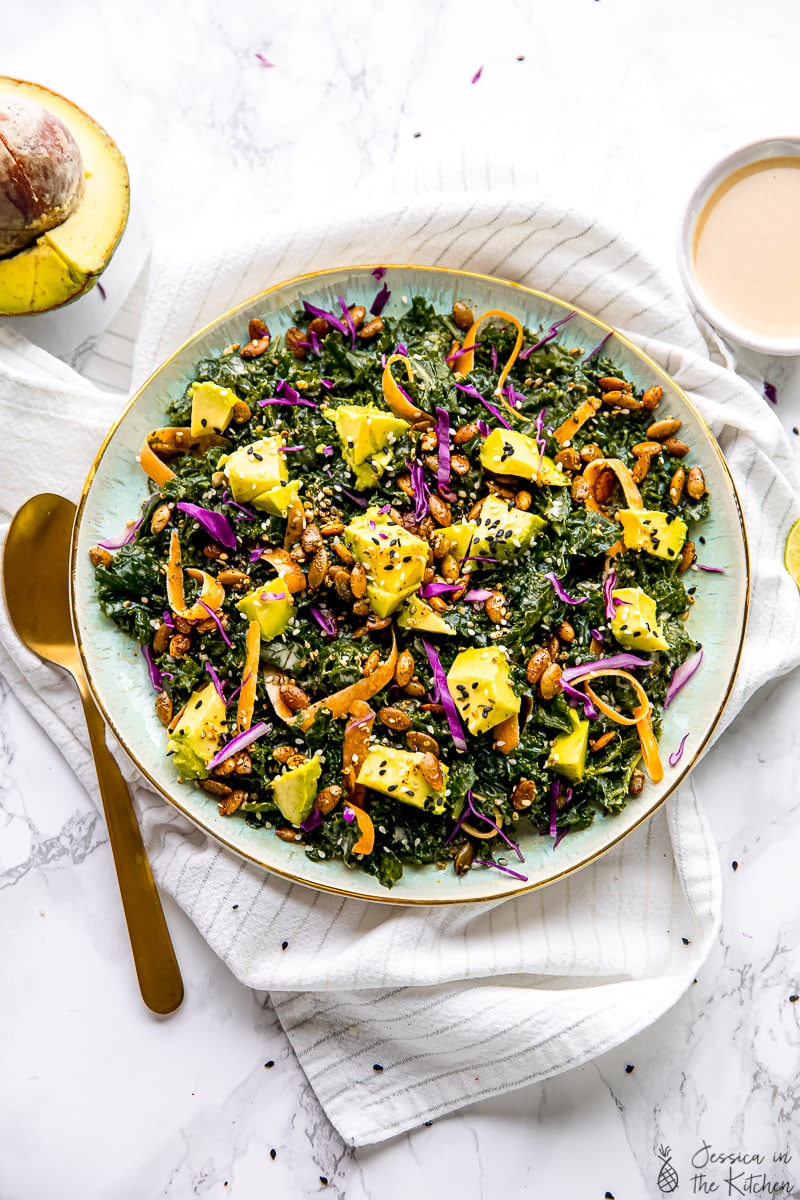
x=618, y=106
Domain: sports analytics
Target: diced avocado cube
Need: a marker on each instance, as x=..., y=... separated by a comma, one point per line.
x=460, y=535
x=198, y=735
x=479, y=683
x=212, y=408
x=295, y=791
x=568, y=751
x=398, y=773
x=416, y=614
x=634, y=624
x=277, y=500
x=502, y=530
x=393, y=558
x=255, y=468
x=368, y=473
x=366, y=434
x=507, y=452
x=271, y=605
x=658, y=533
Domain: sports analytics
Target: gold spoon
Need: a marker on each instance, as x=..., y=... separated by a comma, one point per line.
x=36, y=584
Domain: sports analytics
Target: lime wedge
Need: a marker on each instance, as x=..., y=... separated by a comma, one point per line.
x=791, y=555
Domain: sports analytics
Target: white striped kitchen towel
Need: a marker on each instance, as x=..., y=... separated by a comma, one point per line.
x=401, y=1015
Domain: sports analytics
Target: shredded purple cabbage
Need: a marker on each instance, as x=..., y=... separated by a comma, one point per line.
x=378, y=273
x=615, y=662
x=217, y=682
x=460, y=353
x=710, y=570
x=126, y=538
x=487, y=862
x=477, y=75
x=438, y=589
x=401, y=348
x=156, y=678
x=473, y=391
x=612, y=602
x=365, y=720
x=771, y=392
x=356, y=499
x=478, y=595
x=514, y=397
x=419, y=487
x=351, y=325
x=349, y=815
x=325, y=622
x=480, y=558
x=483, y=428
x=677, y=755
x=217, y=622
x=562, y=833
x=327, y=384
x=167, y=617
x=380, y=301
x=552, y=333
x=443, y=432
x=597, y=635
x=214, y=523
x=558, y=588
x=599, y=347
x=263, y=59
x=248, y=515
x=289, y=449
x=327, y=316
x=239, y=742
x=589, y=711
x=312, y=822
x=384, y=509
x=681, y=676
x=443, y=691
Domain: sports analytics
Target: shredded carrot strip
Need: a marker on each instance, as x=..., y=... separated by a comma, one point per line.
x=366, y=842
x=247, y=694
x=177, y=439
x=642, y=719
x=177, y=601
x=467, y=361
x=567, y=429
x=398, y=403
x=340, y=702
x=632, y=494
x=152, y=465
x=212, y=593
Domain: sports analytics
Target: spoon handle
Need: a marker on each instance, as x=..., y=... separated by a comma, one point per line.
x=153, y=953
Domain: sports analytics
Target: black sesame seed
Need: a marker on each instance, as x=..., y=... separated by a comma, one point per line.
x=686, y=941
x=628, y=1069
x=735, y=865
x=269, y=1064
x=284, y=945
x=273, y=1154
x=377, y=1067
x=794, y=998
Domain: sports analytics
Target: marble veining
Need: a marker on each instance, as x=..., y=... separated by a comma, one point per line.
x=608, y=104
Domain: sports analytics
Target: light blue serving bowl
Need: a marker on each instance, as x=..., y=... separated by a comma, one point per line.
x=116, y=671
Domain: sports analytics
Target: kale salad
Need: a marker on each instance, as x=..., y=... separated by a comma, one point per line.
x=406, y=587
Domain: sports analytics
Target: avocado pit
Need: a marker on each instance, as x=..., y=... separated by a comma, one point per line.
x=41, y=172
x=64, y=199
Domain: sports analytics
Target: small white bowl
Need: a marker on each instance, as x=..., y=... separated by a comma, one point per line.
x=787, y=147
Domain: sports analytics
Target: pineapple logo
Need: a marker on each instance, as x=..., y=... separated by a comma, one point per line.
x=667, y=1177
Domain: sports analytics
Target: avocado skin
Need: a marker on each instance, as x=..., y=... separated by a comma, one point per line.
x=65, y=262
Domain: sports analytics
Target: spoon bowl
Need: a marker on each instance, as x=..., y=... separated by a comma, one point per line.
x=36, y=586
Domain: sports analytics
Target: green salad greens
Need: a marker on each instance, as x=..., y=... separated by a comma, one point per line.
x=407, y=586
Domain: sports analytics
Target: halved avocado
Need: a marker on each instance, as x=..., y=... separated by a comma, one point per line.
x=66, y=261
